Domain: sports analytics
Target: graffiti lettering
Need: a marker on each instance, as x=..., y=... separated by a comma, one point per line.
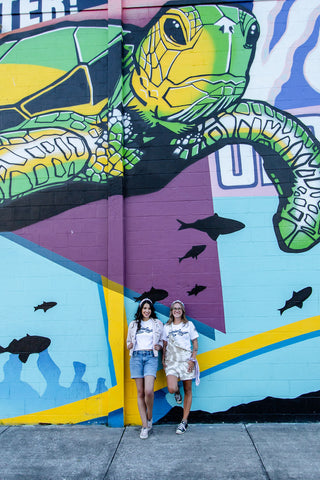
x=236, y=167
x=24, y=13
x=52, y=9
x=16, y=14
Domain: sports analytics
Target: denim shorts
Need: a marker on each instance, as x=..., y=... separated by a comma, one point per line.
x=142, y=363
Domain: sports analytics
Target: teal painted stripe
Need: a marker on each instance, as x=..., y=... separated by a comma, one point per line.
x=106, y=328
x=115, y=418
x=95, y=421
x=78, y=269
x=54, y=257
x=165, y=311
x=261, y=351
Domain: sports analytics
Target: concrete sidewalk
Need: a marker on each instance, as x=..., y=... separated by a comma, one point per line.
x=277, y=451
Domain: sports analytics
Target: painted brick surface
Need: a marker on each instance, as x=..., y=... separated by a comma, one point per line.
x=167, y=150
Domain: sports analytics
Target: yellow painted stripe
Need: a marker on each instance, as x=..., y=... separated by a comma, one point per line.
x=114, y=298
x=232, y=351
x=251, y=344
x=100, y=405
x=97, y=405
x=77, y=412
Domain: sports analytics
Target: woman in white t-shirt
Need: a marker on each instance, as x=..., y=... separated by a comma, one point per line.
x=179, y=360
x=144, y=340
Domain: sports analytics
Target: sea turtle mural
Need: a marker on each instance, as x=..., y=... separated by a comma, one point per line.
x=78, y=113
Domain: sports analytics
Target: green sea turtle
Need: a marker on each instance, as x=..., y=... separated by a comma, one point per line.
x=172, y=95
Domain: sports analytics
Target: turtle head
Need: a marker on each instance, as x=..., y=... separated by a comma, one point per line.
x=194, y=62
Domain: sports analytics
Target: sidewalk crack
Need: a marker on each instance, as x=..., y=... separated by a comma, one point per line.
x=5, y=430
x=114, y=453
x=258, y=453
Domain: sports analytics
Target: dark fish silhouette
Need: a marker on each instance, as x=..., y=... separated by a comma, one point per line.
x=194, y=252
x=155, y=295
x=214, y=225
x=27, y=345
x=297, y=299
x=45, y=306
x=196, y=289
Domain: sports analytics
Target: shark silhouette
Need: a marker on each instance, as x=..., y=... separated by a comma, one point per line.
x=155, y=295
x=45, y=306
x=297, y=299
x=193, y=252
x=214, y=225
x=26, y=346
x=196, y=289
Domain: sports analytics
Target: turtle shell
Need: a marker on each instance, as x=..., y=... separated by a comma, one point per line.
x=61, y=68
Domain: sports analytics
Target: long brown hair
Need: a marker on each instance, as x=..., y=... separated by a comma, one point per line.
x=138, y=316
x=183, y=315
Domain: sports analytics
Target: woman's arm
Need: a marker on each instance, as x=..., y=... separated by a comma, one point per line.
x=194, y=348
x=193, y=355
x=159, y=344
x=129, y=337
x=164, y=353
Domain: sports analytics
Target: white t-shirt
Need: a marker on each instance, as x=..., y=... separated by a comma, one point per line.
x=144, y=336
x=183, y=333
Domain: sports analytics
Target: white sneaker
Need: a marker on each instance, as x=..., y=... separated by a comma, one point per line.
x=182, y=428
x=149, y=425
x=178, y=397
x=144, y=433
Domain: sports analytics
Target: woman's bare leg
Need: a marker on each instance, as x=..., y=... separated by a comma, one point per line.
x=187, y=387
x=149, y=394
x=141, y=401
x=172, y=382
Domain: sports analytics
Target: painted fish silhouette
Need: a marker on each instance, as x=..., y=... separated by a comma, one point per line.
x=45, y=306
x=26, y=346
x=214, y=225
x=297, y=299
x=196, y=289
x=155, y=295
x=193, y=252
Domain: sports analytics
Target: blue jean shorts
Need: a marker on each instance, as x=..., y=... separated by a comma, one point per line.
x=142, y=363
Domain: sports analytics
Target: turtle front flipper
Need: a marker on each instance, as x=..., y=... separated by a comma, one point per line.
x=51, y=150
x=291, y=159
x=38, y=159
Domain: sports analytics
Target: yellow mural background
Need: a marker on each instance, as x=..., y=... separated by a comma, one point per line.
x=123, y=395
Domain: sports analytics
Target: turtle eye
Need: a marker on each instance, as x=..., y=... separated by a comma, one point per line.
x=252, y=35
x=174, y=32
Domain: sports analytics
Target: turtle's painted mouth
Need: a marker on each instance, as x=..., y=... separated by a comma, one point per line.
x=213, y=97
